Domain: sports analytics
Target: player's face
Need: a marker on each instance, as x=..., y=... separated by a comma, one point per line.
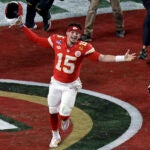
x=73, y=37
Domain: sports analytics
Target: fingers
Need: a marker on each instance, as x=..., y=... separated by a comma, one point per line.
x=128, y=51
x=19, y=21
x=130, y=57
x=133, y=55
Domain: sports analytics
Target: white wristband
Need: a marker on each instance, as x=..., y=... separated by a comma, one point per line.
x=120, y=58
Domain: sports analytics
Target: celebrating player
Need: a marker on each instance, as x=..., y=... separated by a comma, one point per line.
x=69, y=53
x=65, y=82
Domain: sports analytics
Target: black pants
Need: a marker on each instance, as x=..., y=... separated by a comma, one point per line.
x=42, y=7
x=146, y=25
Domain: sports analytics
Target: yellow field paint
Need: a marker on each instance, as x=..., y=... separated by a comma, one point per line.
x=81, y=121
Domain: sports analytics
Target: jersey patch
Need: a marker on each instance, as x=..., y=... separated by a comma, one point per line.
x=77, y=53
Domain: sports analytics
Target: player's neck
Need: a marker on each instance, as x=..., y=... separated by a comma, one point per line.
x=70, y=44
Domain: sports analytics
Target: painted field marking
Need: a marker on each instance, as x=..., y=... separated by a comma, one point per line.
x=136, y=117
x=75, y=118
x=5, y=125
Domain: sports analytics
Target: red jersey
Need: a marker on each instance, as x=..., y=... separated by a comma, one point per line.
x=68, y=60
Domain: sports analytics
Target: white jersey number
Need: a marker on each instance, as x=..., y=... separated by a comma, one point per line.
x=70, y=66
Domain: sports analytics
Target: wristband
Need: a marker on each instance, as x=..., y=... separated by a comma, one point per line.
x=120, y=58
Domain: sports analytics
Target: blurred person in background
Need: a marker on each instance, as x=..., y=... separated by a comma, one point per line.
x=91, y=15
x=42, y=7
x=146, y=31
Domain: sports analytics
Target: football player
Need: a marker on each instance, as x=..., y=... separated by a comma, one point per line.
x=65, y=82
x=69, y=53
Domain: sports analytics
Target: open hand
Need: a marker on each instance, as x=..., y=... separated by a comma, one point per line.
x=129, y=57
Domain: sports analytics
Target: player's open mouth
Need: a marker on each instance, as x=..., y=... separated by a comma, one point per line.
x=74, y=38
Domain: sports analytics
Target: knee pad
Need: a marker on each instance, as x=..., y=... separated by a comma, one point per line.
x=53, y=110
x=65, y=110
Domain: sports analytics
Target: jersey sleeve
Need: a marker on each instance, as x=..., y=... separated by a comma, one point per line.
x=52, y=39
x=90, y=53
x=35, y=38
x=94, y=56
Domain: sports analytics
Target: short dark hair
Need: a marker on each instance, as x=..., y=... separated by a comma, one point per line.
x=75, y=24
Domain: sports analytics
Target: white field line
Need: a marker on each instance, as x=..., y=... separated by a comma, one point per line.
x=5, y=125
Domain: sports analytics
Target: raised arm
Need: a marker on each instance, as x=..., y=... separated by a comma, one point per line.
x=118, y=58
x=34, y=37
x=42, y=41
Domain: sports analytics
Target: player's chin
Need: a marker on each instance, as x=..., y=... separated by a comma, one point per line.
x=74, y=40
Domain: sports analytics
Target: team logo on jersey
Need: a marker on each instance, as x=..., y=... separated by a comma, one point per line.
x=77, y=53
x=59, y=42
x=80, y=47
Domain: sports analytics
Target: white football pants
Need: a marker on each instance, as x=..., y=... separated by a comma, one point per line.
x=62, y=96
